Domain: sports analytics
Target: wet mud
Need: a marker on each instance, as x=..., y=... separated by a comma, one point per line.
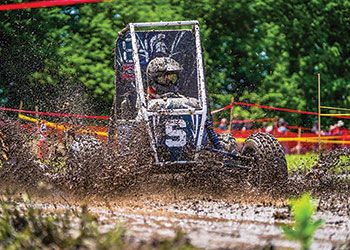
x=209, y=223
x=216, y=206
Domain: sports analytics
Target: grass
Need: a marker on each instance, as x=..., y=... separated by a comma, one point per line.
x=304, y=161
x=307, y=161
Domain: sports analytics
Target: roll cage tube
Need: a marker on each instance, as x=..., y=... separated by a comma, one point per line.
x=141, y=101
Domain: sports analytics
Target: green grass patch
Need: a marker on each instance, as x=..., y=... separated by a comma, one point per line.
x=304, y=161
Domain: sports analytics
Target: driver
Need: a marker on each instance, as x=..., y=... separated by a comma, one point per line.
x=163, y=73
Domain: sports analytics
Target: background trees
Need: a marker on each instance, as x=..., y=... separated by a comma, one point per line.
x=257, y=50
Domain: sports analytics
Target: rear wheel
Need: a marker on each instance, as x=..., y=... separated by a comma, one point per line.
x=268, y=166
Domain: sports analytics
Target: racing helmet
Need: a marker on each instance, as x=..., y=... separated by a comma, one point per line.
x=163, y=70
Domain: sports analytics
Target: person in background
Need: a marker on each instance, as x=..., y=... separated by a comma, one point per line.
x=282, y=126
x=247, y=126
x=337, y=129
x=236, y=124
x=42, y=145
x=314, y=128
x=267, y=127
x=223, y=124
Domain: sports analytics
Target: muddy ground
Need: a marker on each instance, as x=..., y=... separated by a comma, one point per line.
x=218, y=208
x=209, y=222
x=247, y=218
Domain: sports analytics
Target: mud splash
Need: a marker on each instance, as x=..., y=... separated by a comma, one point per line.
x=101, y=171
x=207, y=201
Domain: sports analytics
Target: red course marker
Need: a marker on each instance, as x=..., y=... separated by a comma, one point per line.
x=44, y=4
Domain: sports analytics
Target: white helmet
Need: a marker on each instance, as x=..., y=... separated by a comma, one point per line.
x=340, y=123
x=160, y=66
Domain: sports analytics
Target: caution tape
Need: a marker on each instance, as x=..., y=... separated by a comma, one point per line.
x=324, y=139
x=250, y=120
x=310, y=139
x=53, y=114
x=62, y=127
x=264, y=107
x=345, y=116
x=48, y=124
x=336, y=115
x=334, y=108
x=301, y=139
x=44, y=4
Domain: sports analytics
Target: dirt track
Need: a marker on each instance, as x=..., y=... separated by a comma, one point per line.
x=239, y=217
x=210, y=223
x=243, y=219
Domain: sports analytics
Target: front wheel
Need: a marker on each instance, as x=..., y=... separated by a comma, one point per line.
x=268, y=165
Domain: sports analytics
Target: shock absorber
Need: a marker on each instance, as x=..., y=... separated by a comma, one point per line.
x=214, y=139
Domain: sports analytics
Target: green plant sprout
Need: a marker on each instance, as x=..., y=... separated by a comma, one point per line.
x=303, y=227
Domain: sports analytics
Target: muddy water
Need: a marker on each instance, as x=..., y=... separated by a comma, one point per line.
x=210, y=223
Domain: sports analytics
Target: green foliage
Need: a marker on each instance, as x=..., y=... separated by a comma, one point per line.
x=28, y=57
x=89, y=40
x=304, y=161
x=303, y=227
x=25, y=226
x=269, y=52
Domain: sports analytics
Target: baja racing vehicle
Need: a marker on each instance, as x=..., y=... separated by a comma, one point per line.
x=161, y=95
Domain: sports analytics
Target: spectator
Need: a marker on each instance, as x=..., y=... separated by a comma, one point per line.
x=223, y=124
x=236, y=123
x=268, y=128
x=337, y=129
x=247, y=126
x=282, y=126
x=314, y=128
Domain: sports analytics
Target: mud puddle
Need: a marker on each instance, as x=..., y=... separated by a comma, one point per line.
x=209, y=223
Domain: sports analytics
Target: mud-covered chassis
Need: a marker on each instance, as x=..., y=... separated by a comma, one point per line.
x=177, y=125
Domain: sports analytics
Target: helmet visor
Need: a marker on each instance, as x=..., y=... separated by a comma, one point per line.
x=170, y=78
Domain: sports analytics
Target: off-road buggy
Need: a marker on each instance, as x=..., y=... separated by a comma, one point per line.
x=161, y=95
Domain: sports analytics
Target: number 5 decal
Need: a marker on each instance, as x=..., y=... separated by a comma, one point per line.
x=172, y=130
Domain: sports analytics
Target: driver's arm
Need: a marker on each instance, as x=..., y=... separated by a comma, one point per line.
x=151, y=92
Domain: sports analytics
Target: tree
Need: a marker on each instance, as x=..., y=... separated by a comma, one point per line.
x=257, y=50
x=25, y=51
x=88, y=40
x=270, y=51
